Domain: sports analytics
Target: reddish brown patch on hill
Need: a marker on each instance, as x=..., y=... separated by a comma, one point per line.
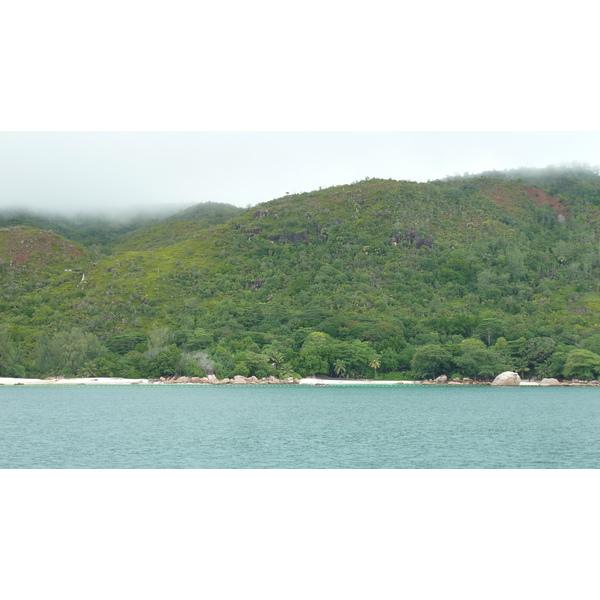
x=23, y=246
x=540, y=198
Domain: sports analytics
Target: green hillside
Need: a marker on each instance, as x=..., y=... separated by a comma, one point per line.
x=185, y=224
x=97, y=233
x=467, y=277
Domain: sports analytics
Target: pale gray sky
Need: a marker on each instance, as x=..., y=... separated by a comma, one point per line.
x=80, y=171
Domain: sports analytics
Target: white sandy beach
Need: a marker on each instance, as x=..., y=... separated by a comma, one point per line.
x=81, y=381
x=122, y=381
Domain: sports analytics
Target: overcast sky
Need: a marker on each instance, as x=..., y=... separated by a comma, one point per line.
x=73, y=171
x=205, y=83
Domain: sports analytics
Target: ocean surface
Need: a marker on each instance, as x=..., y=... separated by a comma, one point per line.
x=298, y=427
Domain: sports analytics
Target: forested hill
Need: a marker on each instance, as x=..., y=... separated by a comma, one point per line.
x=101, y=233
x=468, y=276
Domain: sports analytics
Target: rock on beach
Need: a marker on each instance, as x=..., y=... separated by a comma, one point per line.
x=507, y=378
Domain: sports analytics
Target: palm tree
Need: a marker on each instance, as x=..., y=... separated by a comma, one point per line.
x=375, y=364
x=339, y=367
x=286, y=372
x=276, y=358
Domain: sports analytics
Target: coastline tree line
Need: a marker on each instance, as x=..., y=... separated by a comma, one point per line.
x=80, y=353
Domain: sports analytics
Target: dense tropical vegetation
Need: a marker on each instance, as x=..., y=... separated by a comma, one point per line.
x=468, y=276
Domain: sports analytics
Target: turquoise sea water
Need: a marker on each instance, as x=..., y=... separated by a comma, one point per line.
x=291, y=427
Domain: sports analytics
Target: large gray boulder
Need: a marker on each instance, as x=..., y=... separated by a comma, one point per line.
x=507, y=378
x=548, y=381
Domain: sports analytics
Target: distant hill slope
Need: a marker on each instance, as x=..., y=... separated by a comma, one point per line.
x=140, y=231
x=90, y=231
x=180, y=226
x=26, y=249
x=38, y=269
x=213, y=213
x=365, y=242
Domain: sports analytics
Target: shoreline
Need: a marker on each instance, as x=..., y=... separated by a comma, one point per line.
x=11, y=381
x=74, y=381
x=524, y=383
